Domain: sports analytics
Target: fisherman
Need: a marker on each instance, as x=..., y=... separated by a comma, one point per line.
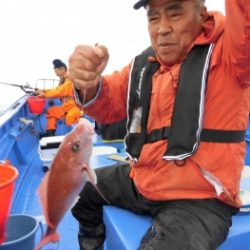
x=187, y=102
x=68, y=109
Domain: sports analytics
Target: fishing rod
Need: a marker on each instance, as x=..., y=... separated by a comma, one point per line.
x=16, y=85
x=26, y=87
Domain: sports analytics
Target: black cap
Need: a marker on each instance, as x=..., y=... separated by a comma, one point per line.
x=143, y=3
x=58, y=64
x=140, y=4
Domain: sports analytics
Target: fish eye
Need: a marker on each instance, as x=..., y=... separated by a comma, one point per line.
x=76, y=146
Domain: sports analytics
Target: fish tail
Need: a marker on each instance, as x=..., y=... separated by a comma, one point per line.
x=49, y=238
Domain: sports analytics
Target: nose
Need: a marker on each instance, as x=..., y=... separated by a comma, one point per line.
x=164, y=27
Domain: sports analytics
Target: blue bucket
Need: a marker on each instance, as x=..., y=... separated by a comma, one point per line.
x=20, y=232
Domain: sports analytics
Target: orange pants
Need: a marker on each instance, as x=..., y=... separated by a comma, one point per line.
x=70, y=114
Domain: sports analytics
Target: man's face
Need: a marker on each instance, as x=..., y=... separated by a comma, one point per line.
x=60, y=72
x=173, y=26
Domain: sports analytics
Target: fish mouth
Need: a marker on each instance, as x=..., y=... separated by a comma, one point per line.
x=83, y=169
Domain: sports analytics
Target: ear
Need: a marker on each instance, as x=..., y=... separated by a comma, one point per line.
x=204, y=13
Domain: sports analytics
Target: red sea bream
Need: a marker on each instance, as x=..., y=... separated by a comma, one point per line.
x=69, y=172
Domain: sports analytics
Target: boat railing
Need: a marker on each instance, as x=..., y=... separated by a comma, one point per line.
x=46, y=83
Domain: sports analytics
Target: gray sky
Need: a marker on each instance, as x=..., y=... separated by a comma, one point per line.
x=34, y=32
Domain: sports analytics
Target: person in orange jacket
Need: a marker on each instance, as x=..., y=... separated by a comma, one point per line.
x=68, y=110
x=186, y=98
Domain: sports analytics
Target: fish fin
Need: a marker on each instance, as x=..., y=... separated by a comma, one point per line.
x=48, y=238
x=92, y=178
x=91, y=175
x=100, y=193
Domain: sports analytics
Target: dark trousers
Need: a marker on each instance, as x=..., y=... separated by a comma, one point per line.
x=177, y=225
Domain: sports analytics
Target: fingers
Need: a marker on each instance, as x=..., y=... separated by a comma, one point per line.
x=86, y=65
x=39, y=92
x=101, y=51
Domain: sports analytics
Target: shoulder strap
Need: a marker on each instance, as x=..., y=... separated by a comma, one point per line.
x=139, y=97
x=187, y=119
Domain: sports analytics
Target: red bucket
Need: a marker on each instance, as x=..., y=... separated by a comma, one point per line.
x=8, y=175
x=36, y=104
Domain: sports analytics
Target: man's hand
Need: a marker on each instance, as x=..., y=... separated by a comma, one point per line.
x=40, y=92
x=86, y=65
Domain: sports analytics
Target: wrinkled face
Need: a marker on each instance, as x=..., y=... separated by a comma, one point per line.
x=173, y=26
